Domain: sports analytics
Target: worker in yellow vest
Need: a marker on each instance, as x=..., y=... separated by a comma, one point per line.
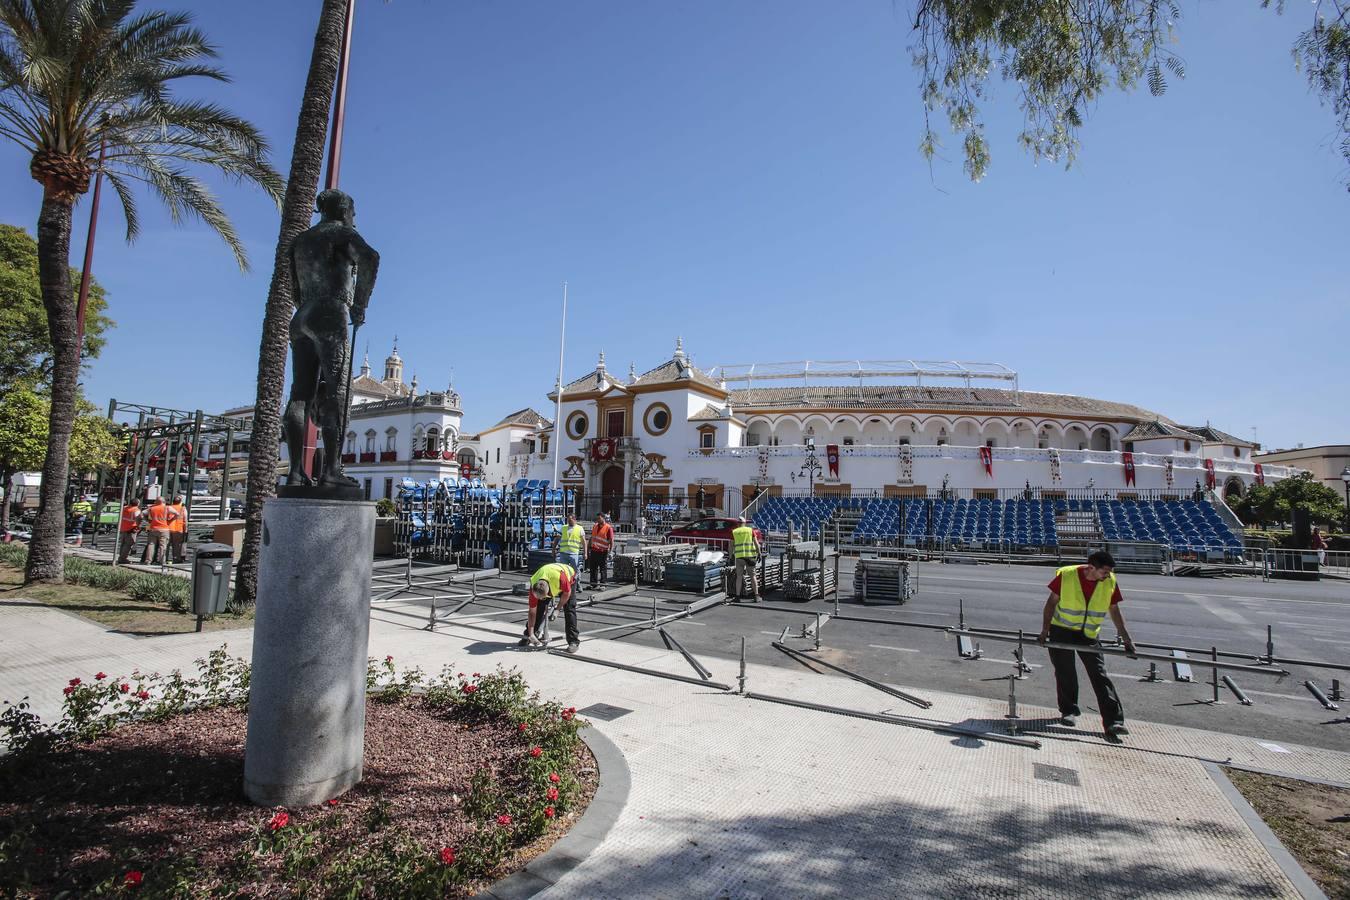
x=552, y=581
x=1081, y=597
x=178, y=530
x=745, y=549
x=127, y=527
x=572, y=544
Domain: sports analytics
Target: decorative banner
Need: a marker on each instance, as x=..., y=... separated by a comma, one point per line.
x=1167, y=471
x=602, y=449
x=1209, y=474
x=906, y=465
x=1056, y=477
x=763, y=463
x=1260, y=474
x=832, y=459
x=987, y=457
x=1128, y=458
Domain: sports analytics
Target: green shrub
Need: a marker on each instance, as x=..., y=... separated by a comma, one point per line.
x=15, y=555
x=174, y=593
x=385, y=507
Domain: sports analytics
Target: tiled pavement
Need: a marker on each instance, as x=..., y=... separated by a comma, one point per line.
x=733, y=797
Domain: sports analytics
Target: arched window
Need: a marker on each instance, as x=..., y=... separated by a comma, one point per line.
x=467, y=459
x=351, y=442
x=419, y=436
x=370, y=441
x=1101, y=439
x=433, y=440
x=391, y=439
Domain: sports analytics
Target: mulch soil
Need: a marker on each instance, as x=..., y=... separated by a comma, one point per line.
x=1311, y=820
x=151, y=792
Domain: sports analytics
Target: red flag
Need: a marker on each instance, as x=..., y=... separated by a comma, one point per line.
x=1260, y=474
x=832, y=459
x=1209, y=474
x=987, y=457
x=1128, y=458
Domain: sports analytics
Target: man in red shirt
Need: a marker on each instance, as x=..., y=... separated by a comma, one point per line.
x=1081, y=597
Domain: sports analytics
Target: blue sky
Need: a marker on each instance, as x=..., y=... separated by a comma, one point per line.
x=746, y=174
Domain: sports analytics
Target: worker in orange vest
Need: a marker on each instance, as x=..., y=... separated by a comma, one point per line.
x=178, y=530
x=127, y=528
x=160, y=517
x=602, y=538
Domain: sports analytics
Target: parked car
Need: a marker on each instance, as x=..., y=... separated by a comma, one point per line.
x=714, y=531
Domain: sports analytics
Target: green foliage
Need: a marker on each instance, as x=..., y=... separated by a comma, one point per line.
x=385, y=507
x=1062, y=56
x=168, y=590
x=23, y=428
x=1274, y=503
x=25, y=342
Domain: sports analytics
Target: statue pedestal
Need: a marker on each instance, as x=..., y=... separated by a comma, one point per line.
x=307, y=698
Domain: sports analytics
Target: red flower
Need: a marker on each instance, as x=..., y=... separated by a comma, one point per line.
x=74, y=682
x=470, y=688
x=548, y=812
x=552, y=793
x=333, y=802
x=132, y=878
x=389, y=659
x=553, y=777
x=100, y=676
x=447, y=856
x=279, y=821
x=144, y=695
x=536, y=752
x=68, y=689
x=503, y=819
x=124, y=687
x=523, y=726
x=568, y=713
x=475, y=675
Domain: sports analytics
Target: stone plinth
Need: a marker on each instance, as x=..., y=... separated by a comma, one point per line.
x=307, y=699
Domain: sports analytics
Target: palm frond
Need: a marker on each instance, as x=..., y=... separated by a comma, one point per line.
x=186, y=197
x=128, y=200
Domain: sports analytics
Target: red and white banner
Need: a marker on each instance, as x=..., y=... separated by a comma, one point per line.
x=987, y=457
x=1260, y=474
x=1209, y=474
x=602, y=449
x=1167, y=471
x=1128, y=459
x=832, y=459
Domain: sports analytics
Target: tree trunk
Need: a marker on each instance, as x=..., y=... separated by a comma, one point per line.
x=6, y=473
x=298, y=207
x=46, y=562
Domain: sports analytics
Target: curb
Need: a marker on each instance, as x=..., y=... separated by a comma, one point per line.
x=582, y=838
x=1302, y=882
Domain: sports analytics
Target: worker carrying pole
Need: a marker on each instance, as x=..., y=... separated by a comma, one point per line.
x=1081, y=597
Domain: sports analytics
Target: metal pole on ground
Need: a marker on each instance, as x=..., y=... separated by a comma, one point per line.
x=225, y=473
x=741, y=680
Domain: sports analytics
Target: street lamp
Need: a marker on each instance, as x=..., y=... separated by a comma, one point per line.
x=641, y=469
x=812, y=467
x=1345, y=479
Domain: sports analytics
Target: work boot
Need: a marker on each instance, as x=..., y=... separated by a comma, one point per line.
x=1068, y=721
x=573, y=647
x=1117, y=729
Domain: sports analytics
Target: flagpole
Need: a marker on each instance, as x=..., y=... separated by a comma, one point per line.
x=557, y=415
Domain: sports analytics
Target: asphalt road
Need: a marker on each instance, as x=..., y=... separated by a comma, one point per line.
x=1311, y=621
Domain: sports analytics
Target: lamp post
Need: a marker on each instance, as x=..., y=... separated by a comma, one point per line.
x=1345, y=479
x=641, y=469
x=812, y=467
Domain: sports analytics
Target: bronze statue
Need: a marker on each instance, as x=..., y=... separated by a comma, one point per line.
x=332, y=274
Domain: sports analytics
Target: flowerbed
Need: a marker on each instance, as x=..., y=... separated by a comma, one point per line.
x=137, y=789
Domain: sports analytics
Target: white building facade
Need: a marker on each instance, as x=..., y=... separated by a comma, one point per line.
x=896, y=428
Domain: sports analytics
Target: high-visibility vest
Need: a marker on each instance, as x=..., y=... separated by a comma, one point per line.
x=573, y=539
x=180, y=523
x=159, y=517
x=553, y=573
x=602, y=538
x=1080, y=613
x=81, y=508
x=743, y=543
x=130, y=514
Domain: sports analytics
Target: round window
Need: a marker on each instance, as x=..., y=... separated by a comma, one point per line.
x=657, y=418
x=576, y=425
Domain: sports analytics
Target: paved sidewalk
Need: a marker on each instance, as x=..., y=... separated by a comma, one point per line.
x=733, y=797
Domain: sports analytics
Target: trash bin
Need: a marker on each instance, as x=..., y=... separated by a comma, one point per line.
x=211, y=566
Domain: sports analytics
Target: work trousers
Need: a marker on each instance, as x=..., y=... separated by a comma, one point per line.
x=126, y=545
x=157, y=539
x=573, y=560
x=569, y=620
x=178, y=542
x=1066, y=677
x=745, y=571
x=598, y=563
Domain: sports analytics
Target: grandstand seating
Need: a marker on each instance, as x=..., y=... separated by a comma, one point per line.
x=1185, y=525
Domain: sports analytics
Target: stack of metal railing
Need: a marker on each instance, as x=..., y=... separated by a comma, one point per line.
x=883, y=579
x=809, y=584
x=692, y=576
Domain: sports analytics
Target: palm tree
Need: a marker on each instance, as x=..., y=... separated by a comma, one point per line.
x=77, y=73
x=296, y=212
